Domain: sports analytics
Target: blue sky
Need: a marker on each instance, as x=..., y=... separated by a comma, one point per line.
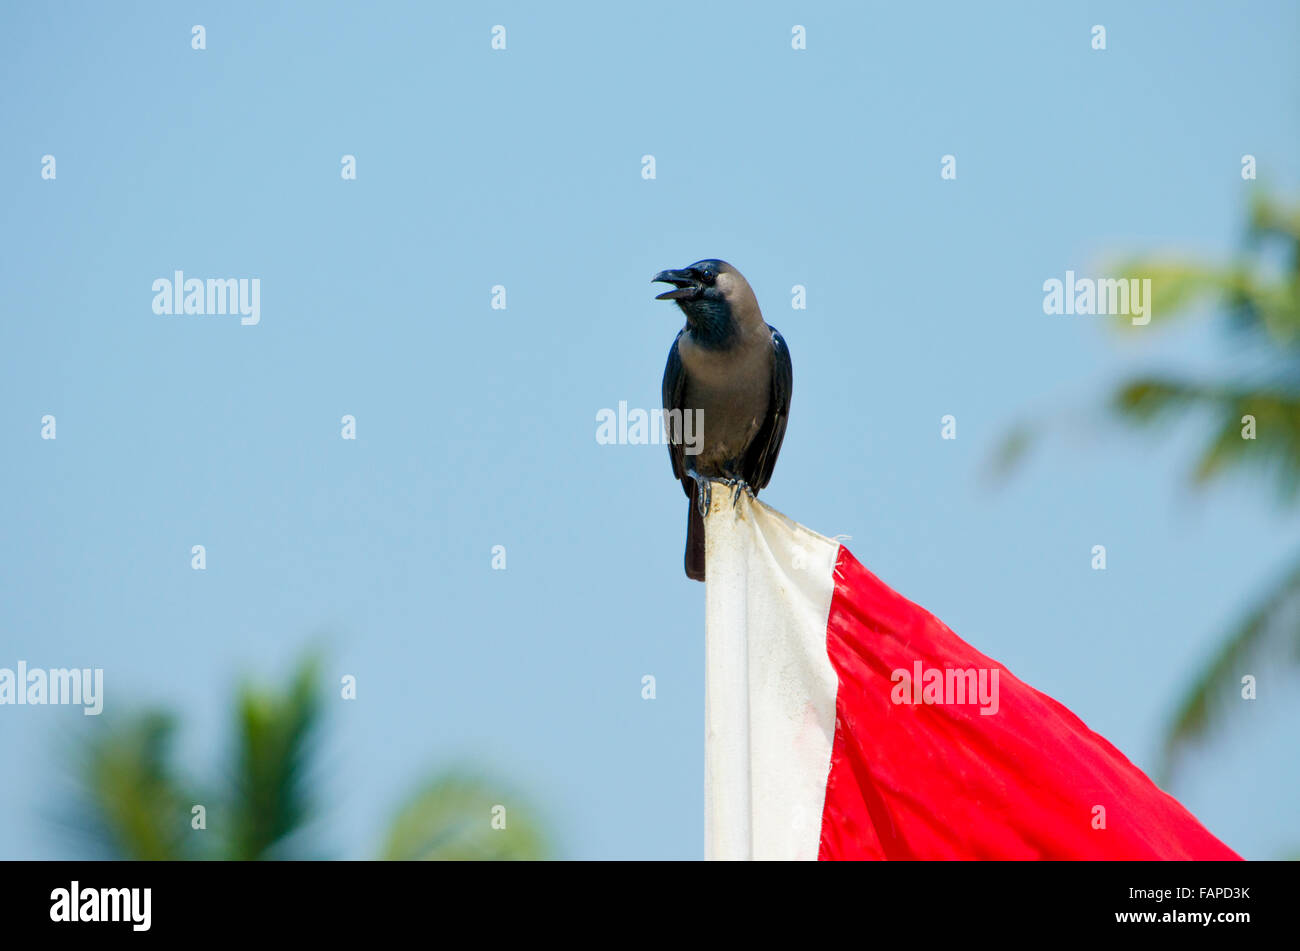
x=476, y=427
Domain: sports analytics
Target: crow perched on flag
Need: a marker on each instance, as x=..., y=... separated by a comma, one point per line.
x=731, y=370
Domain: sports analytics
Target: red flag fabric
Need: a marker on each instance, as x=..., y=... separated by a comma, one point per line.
x=1005, y=773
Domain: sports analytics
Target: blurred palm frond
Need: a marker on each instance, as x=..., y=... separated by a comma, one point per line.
x=130, y=803
x=1269, y=635
x=460, y=817
x=1252, y=408
x=270, y=799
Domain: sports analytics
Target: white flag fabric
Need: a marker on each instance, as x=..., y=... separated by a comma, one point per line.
x=769, y=684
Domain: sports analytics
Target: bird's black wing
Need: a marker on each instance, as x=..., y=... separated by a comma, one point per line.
x=760, y=457
x=674, y=393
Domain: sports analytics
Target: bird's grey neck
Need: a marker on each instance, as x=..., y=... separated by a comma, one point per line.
x=711, y=325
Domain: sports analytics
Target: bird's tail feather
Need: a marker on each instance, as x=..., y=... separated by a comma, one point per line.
x=694, y=543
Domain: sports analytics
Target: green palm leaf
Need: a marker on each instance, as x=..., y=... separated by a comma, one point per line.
x=1274, y=448
x=459, y=817
x=1267, y=635
x=270, y=797
x=130, y=804
x=1260, y=305
x=1259, y=301
x=1180, y=285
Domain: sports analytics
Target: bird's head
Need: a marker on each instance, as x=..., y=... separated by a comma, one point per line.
x=713, y=295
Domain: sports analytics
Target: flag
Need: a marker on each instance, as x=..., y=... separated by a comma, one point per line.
x=845, y=722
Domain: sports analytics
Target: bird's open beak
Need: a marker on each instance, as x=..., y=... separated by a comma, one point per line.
x=687, y=285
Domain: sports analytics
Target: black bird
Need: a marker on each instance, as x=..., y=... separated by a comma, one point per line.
x=733, y=371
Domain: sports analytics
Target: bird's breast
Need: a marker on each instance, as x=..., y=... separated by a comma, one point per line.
x=731, y=388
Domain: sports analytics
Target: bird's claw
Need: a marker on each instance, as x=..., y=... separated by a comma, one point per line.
x=737, y=486
x=704, y=490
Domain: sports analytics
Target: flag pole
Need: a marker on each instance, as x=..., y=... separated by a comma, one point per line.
x=728, y=785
